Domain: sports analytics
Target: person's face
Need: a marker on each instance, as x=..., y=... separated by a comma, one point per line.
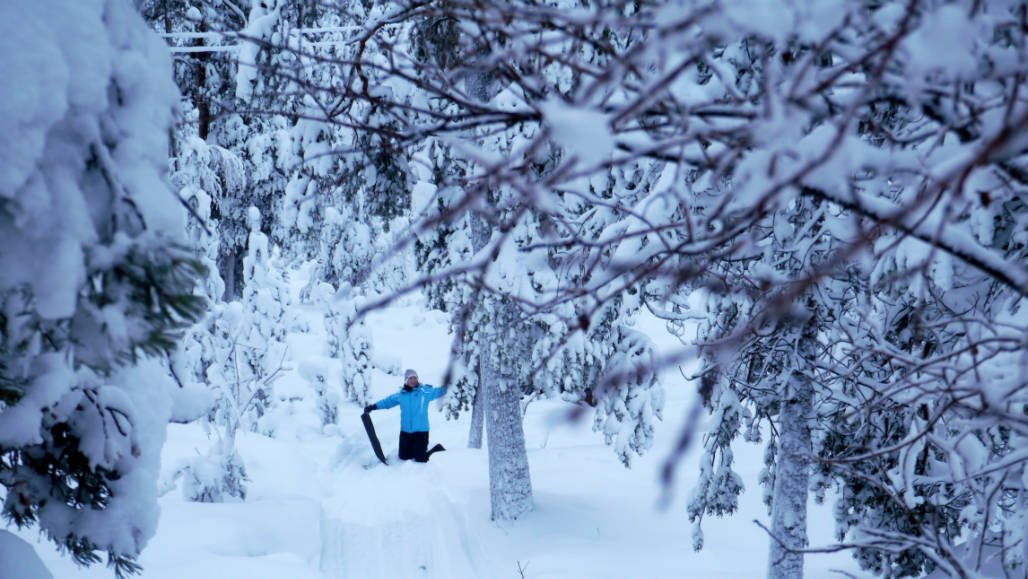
x=412, y=381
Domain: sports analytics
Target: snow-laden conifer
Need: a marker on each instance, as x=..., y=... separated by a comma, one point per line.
x=97, y=281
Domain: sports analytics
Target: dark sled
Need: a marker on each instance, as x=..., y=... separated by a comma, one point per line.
x=375, y=444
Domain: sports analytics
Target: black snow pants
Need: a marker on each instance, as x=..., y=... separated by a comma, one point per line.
x=414, y=445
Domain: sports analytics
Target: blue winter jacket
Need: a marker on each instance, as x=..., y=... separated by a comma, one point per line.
x=413, y=406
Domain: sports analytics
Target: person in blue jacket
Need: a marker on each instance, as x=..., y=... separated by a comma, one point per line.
x=413, y=401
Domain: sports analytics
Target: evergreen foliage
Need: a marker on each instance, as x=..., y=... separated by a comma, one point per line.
x=98, y=286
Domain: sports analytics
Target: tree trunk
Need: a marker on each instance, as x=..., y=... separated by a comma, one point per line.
x=792, y=474
x=203, y=106
x=228, y=274
x=510, y=484
x=477, y=413
x=480, y=234
x=198, y=92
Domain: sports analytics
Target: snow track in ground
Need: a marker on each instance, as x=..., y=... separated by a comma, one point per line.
x=396, y=521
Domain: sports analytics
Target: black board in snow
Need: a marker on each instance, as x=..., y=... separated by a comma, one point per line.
x=375, y=444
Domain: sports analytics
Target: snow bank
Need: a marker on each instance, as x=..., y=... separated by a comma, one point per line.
x=20, y=559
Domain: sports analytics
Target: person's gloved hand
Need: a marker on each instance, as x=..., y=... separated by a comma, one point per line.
x=368, y=409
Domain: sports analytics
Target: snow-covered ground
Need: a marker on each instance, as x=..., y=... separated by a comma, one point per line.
x=320, y=505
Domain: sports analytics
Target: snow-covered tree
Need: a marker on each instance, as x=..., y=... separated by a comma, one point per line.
x=98, y=282
x=245, y=353
x=230, y=82
x=266, y=148
x=789, y=145
x=598, y=369
x=205, y=75
x=843, y=182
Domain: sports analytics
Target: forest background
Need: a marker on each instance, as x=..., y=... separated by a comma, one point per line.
x=824, y=204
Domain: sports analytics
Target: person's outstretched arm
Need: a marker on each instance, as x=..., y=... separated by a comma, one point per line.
x=387, y=402
x=436, y=392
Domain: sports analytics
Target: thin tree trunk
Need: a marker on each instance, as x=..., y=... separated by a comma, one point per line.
x=510, y=482
x=203, y=106
x=477, y=413
x=480, y=234
x=228, y=274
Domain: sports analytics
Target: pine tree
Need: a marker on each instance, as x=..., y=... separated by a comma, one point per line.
x=98, y=282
